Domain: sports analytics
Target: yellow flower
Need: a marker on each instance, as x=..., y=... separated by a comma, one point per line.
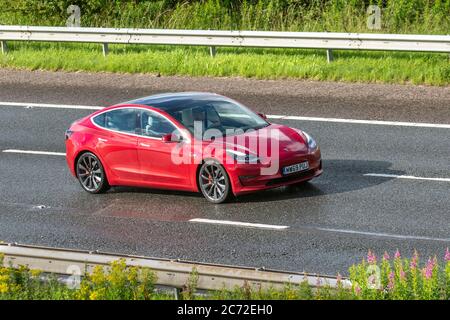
x=36, y=273
x=98, y=276
x=97, y=294
x=3, y=288
x=93, y=295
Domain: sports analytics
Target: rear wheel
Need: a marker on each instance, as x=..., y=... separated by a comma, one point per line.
x=91, y=174
x=214, y=182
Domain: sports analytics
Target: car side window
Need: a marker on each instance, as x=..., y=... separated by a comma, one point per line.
x=123, y=120
x=100, y=120
x=154, y=125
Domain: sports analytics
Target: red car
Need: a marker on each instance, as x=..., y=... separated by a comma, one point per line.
x=199, y=142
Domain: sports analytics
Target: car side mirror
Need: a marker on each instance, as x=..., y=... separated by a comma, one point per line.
x=262, y=115
x=171, y=137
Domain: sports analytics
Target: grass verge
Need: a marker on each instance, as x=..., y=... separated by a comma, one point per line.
x=393, y=278
x=382, y=67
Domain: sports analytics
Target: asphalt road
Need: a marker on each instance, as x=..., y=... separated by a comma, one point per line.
x=332, y=222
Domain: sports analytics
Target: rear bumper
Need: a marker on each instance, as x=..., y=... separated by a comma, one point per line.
x=70, y=156
x=246, y=179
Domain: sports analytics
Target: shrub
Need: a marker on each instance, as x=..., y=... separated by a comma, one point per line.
x=388, y=279
x=401, y=279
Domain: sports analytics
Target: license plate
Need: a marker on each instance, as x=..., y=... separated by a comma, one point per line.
x=298, y=167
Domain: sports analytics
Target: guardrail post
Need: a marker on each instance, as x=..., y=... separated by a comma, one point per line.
x=329, y=55
x=212, y=51
x=105, y=49
x=176, y=293
x=4, y=47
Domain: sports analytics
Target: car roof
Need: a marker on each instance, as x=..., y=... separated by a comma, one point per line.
x=167, y=101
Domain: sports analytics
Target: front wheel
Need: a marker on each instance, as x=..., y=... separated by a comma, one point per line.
x=91, y=174
x=214, y=182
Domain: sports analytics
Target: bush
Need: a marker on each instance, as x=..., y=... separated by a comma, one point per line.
x=388, y=279
x=401, y=279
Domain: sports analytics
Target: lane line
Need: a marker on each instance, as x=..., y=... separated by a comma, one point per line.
x=345, y=231
x=383, y=235
x=355, y=121
x=382, y=175
x=46, y=153
x=47, y=105
x=272, y=116
x=240, y=224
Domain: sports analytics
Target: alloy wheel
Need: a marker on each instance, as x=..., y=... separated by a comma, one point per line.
x=213, y=182
x=90, y=173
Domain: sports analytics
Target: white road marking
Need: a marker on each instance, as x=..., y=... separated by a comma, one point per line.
x=372, y=122
x=272, y=116
x=384, y=235
x=405, y=177
x=240, y=224
x=46, y=153
x=46, y=105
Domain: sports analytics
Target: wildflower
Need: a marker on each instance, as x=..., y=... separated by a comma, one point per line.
x=402, y=275
x=447, y=255
x=386, y=256
x=357, y=290
x=428, y=271
x=371, y=258
x=397, y=254
x=413, y=263
x=318, y=282
x=391, y=281
x=94, y=295
x=36, y=273
x=3, y=288
x=339, y=278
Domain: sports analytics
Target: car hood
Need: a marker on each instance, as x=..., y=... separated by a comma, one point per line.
x=267, y=141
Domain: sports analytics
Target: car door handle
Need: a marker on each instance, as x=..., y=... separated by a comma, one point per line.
x=102, y=140
x=146, y=145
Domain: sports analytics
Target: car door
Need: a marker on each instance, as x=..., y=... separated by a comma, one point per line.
x=158, y=168
x=117, y=145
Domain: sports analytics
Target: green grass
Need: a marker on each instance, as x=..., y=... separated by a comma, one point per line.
x=383, y=67
x=398, y=16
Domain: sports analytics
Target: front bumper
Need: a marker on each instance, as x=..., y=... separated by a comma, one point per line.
x=248, y=178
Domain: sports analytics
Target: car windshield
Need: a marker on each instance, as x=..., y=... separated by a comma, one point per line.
x=226, y=117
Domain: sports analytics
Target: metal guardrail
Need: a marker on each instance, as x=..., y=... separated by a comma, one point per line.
x=169, y=273
x=216, y=38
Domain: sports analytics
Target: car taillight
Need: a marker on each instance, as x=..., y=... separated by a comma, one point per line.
x=68, y=134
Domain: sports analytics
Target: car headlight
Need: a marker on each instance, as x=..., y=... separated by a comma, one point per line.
x=312, y=145
x=241, y=157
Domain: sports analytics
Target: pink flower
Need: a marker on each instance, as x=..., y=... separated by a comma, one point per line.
x=386, y=256
x=318, y=282
x=391, y=281
x=447, y=255
x=371, y=258
x=357, y=290
x=428, y=271
x=402, y=274
x=397, y=254
x=413, y=264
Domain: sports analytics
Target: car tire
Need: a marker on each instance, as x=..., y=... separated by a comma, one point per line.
x=91, y=173
x=213, y=182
